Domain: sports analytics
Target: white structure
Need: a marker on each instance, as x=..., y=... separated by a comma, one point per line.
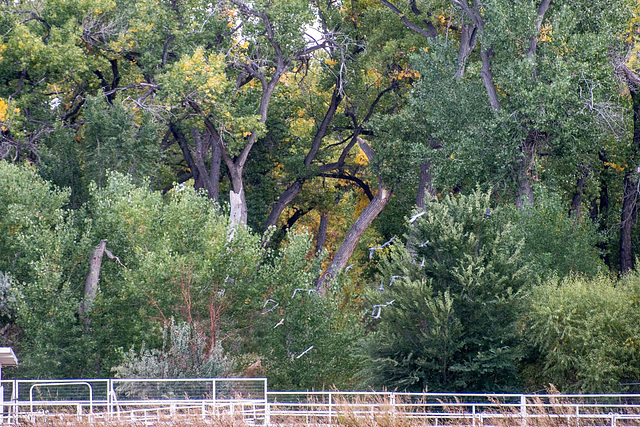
x=7, y=358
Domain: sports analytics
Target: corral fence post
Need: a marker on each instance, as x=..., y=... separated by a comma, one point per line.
x=214, y=409
x=523, y=409
x=392, y=402
x=473, y=415
x=267, y=408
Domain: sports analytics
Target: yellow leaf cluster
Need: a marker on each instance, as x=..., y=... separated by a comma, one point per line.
x=545, y=33
x=4, y=105
x=614, y=166
x=406, y=74
x=361, y=158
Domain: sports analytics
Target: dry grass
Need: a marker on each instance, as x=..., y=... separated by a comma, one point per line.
x=67, y=420
x=378, y=411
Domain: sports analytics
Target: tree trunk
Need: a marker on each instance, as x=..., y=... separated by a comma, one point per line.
x=353, y=236
x=214, y=175
x=525, y=190
x=487, y=79
x=630, y=193
x=629, y=208
x=186, y=154
x=600, y=212
x=424, y=185
x=576, y=201
x=322, y=232
x=468, y=34
x=238, y=208
x=283, y=201
x=207, y=179
x=91, y=283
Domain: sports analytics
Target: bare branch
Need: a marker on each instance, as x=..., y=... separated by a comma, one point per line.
x=430, y=32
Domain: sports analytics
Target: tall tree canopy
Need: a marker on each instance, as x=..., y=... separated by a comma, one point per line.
x=245, y=151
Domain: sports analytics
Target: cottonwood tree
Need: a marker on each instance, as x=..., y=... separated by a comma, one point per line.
x=529, y=85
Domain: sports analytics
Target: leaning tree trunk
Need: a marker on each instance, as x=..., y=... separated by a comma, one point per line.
x=353, y=236
x=283, y=201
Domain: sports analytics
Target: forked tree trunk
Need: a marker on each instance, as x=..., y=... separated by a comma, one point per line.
x=283, y=201
x=91, y=282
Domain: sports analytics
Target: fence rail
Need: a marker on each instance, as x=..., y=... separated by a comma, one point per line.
x=247, y=400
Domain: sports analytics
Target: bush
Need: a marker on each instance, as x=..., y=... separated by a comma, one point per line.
x=584, y=333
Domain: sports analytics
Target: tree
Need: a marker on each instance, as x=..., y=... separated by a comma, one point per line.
x=545, y=106
x=449, y=319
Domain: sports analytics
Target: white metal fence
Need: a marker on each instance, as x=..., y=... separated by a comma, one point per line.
x=139, y=400
x=247, y=400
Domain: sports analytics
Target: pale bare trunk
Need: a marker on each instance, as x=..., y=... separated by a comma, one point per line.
x=91, y=282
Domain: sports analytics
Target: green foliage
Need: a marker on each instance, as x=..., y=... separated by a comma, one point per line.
x=584, y=333
x=329, y=322
x=115, y=141
x=554, y=242
x=451, y=322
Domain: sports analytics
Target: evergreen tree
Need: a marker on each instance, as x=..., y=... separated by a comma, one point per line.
x=449, y=322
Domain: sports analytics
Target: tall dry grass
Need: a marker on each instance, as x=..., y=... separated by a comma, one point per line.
x=378, y=411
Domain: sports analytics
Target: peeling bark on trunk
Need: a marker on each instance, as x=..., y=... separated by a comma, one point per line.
x=91, y=283
x=238, y=208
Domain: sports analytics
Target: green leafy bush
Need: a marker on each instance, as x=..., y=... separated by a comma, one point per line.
x=585, y=333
